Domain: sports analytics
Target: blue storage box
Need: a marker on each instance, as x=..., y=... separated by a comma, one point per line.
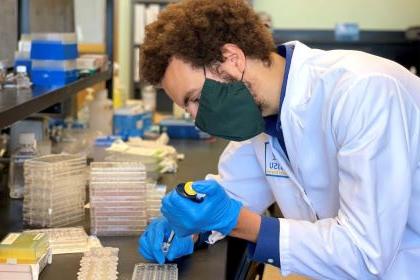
x=147, y=121
x=129, y=122
x=53, y=77
x=54, y=72
x=53, y=50
x=347, y=32
x=106, y=141
x=54, y=46
x=182, y=129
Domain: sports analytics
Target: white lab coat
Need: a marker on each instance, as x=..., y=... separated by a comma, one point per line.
x=351, y=192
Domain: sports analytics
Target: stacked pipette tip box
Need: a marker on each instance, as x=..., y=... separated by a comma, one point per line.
x=55, y=190
x=117, y=198
x=154, y=196
x=132, y=154
x=146, y=271
x=99, y=264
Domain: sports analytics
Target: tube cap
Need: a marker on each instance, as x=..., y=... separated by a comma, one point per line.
x=21, y=69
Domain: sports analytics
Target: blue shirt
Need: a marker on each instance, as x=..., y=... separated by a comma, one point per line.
x=267, y=248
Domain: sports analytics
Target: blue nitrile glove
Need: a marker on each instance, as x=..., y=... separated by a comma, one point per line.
x=217, y=212
x=151, y=241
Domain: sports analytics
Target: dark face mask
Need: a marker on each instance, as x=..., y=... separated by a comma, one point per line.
x=227, y=110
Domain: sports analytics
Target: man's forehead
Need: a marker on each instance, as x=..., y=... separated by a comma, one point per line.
x=176, y=63
x=178, y=70
x=181, y=78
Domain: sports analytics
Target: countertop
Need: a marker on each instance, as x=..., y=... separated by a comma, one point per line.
x=200, y=159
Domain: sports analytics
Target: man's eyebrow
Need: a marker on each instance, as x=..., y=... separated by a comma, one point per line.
x=188, y=96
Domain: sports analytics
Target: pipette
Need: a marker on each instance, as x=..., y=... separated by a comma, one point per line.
x=185, y=190
x=167, y=244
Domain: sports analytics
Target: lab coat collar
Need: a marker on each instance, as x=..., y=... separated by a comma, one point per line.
x=294, y=97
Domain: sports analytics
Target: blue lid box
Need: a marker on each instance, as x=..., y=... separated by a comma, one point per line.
x=53, y=77
x=54, y=46
x=54, y=72
x=147, y=121
x=182, y=129
x=53, y=51
x=106, y=141
x=129, y=121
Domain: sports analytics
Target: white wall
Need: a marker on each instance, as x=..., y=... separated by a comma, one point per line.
x=324, y=14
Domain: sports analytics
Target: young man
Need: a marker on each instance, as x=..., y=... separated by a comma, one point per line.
x=332, y=136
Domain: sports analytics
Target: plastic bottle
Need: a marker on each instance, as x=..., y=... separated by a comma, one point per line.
x=100, y=111
x=84, y=113
x=22, y=79
x=3, y=74
x=26, y=150
x=148, y=95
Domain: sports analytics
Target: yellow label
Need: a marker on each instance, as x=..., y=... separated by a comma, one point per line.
x=11, y=261
x=189, y=189
x=10, y=239
x=38, y=236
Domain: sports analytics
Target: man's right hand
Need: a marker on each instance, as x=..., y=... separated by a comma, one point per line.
x=151, y=241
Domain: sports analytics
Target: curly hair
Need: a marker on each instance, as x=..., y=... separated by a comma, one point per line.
x=196, y=30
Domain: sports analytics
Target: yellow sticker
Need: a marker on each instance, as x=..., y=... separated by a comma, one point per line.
x=38, y=236
x=189, y=189
x=11, y=261
x=10, y=239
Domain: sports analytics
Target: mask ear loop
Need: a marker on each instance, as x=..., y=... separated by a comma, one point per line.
x=204, y=69
x=243, y=73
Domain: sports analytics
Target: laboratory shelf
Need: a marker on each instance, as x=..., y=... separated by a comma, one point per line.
x=19, y=104
x=320, y=36
x=392, y=45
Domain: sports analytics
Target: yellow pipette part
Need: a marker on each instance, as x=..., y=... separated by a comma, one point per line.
x=189, y=189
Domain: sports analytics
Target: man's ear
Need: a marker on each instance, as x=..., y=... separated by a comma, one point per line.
x=234, y=57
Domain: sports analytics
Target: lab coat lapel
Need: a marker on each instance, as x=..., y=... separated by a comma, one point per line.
x=292, y=122
x=281, y=158
x=297, y=94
